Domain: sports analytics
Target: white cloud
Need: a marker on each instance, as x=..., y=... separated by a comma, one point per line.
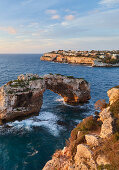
x=55, y=17
x=9, y=30
x=69, y=17
x=51, y=11
x=109, y=2
x=64, y=23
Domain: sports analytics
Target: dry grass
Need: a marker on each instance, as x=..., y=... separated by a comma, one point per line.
x=110, y=148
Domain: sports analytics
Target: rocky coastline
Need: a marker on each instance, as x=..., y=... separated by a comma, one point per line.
x=24, y=96
x=81, y=60
x=94, y=143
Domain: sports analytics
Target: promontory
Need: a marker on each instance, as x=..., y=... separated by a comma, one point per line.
x=92, y=58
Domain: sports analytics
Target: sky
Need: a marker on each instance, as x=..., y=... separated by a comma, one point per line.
x=38, y=26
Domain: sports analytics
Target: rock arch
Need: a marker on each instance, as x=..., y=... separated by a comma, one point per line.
x=24, y=96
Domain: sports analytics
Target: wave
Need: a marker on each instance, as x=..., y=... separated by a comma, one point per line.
x=45, y=119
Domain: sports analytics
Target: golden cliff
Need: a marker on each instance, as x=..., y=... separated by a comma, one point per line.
x=68, y=59
x=94, y=143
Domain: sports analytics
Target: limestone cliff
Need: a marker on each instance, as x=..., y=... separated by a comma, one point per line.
x=68, y=59
x=21, y=97
x=24, y=96
x=94, y=143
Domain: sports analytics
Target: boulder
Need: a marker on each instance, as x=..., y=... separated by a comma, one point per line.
x=102, y=160
x=84, y=156
x=92, y=140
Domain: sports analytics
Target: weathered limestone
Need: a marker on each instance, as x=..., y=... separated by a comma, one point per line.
x=21, y=97
x=24, y=96
x=102, y=160
x=84, y=157
x=93, y=140
x=107, y=127
x=68, y=59
x=113, y=94
x=74, y=91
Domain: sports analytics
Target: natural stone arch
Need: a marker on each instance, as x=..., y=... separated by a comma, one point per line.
x=24, y=96
x=73, y=90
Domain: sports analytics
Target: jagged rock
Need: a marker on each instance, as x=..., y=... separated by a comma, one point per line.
x=28, y=77
x=102, y=160
x=21, y=98
x=74, y=91
x=84, y=157
x=113, y=94
x=24, y=96
x=92, y=140
x=105, y=114
x=107, y=127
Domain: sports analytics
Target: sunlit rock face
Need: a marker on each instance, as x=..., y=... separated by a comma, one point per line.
x=113, y=94
x=21, y=97
x=73, y=90
x=24, y=96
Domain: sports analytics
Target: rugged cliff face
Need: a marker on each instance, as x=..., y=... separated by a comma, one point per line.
x=21, y=97
x=69, y=59
x=24, y=96
x=94, y=143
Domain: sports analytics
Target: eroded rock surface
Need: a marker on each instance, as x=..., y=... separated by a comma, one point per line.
x=113, y=94
x=92, y=147
x=21, y=97
x=24, y=96
x=73, y=90
x=107, y=127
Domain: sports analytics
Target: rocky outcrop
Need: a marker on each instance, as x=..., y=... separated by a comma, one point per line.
x=91, y=143
x=113, y=94
x=21, y=97
x=93, y=140
x=107, y=128
x=24, y=96
x=73, y=90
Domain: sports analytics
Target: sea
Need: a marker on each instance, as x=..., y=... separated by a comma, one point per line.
x=30, y=143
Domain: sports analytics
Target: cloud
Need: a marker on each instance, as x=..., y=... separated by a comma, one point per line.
x=55, y=17
x=109, y=2
x=69, y=17
x=9, y=30
x=51, y=11
x=64, y=23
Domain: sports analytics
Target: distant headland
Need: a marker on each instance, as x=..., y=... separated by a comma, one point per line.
x=92, y=58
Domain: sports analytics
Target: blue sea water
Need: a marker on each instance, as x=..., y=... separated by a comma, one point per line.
x=30, y=143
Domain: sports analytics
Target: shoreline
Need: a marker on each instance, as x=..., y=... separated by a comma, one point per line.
x=94, y=64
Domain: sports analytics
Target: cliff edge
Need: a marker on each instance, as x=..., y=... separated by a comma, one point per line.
x=94, y=143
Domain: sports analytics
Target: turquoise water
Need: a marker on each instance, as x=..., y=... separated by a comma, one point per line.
x=30, y=143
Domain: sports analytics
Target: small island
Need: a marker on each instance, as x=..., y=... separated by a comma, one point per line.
x=92, y=58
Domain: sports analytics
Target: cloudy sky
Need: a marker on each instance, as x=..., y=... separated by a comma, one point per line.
x=37, y=26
